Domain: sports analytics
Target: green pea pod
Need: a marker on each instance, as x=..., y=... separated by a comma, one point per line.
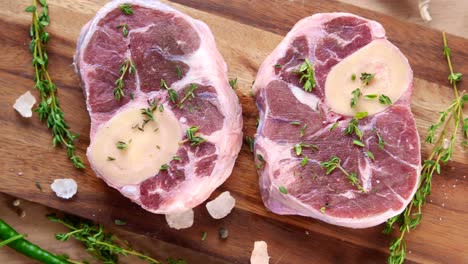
x=27, y=248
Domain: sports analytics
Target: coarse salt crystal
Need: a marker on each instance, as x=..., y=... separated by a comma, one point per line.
x=64, y=188
x=260, y=253
x=221, y=206
x=24, y=104
x=180, y=220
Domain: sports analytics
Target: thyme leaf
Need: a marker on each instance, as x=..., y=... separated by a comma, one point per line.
x=383, y=99
x=126, y=9
x=356, y=93
x=366, y=78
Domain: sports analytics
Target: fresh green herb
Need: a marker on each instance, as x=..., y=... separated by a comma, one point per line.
x=358, y=143
x=163, y=85
x=352, y=177
x=173, y=96
x=148, y=112
x=127, y=66
x=366, y=78
x=381, y=143
x=335, y=125
x=110, y=158
x=353, y=76
x=176, y=158
x=323, y=209
x=306, y=71
x=361, y=115
x=233, y=83
x=277, y=65
x=353, y=128
x=164, y=167
x=299, y=146
x=122, y=145
x=331, y=164
x=192, y=137
x=250, y=142
x=304, y=161
x=189, y=94
x=204, y=235
x=11, y=238
x=371, y=96
x=383, y=99
x=119, y=222
x=283, y=190
x=370, y=155
x=103, y=246
x=441, y=153
x=303, y=130
x=161, y=108
x=49, y=108
x=335, y=163
x=178, y=72
x=298, y=149
x=126, y=9
x=262, y=161
x=356, y=95
x=296, y=123
x=124, y=27
x=31, y=8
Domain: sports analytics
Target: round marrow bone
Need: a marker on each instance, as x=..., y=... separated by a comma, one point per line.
x=392, y=78
x=148, y=148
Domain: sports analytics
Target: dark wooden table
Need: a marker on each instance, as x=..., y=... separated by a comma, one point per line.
x=246, y=32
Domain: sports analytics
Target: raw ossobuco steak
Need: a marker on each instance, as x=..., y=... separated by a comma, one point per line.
x=317, y=152
x=166, y=126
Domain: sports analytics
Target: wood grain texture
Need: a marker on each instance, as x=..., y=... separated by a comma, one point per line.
x=246, y=32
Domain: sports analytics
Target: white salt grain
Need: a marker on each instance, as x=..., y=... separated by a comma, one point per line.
x=180, y=220
x=260, y=253
x=221, y=206
x=24, y=104
x=424, y=10
x=64, y=188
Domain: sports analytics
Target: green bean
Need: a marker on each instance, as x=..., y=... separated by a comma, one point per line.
x=18, y=243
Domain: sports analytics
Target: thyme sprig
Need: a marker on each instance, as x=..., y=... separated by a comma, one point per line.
x=49, y=108
x=149, y=111
x=102, y=245
x=441, y=153
x=193, y=137
x=126, y=67
x=306, y=71
x=189, y=94
x=353, y=127
x=335, y=163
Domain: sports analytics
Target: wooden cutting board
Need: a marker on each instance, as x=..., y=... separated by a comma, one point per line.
x=246, y=32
